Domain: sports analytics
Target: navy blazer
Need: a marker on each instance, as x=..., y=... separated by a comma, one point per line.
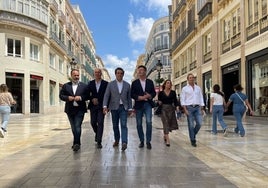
x=67, y=90
x=94, y=94
x=136, y=91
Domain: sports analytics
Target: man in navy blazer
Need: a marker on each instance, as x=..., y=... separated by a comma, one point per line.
x=75, y=94
x=117, y=98
x=97, y=89
x=143, y=92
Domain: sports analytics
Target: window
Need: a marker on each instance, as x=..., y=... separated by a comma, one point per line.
x=60, y=65
x=34, y=52
x=226, y=29
x=13, y=47
x=52, y=88
x=52, y=60
x=207, y=43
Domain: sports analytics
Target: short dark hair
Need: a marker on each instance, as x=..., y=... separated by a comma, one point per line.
x=238, y=87
x=119, y=68
x=142, y=66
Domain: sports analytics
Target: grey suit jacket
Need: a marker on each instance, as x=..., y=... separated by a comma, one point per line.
x=112, y=96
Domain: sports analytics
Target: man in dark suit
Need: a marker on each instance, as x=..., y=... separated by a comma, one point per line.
x=117, y=98
x=97, y=89
x=143, y=91
x=75, y=94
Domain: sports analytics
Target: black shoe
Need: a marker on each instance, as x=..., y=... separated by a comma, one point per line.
x=4, y=129
x=124, y=147
x=99, y=146
x=141, y=145
x=115, y=144
x=76, y=147
x=193, y=143
x=149, y=146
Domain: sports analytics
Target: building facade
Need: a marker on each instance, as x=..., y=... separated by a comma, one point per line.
x=157, y=49
x=42, y=41
x=222, y=42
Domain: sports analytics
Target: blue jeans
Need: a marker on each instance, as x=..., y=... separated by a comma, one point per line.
x=5, y=115
x=238, y=111
x=147, y=110
x=120, y=114
x=194, y=116
x=217, y=114
x=76, y=121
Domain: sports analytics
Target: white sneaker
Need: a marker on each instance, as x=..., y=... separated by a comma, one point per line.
x=2, y=134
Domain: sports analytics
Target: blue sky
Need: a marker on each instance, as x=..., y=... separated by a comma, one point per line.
x=120, y=29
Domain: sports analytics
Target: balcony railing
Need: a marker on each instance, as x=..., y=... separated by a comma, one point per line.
x=252, y=30
x=193, y=65
x=205, y=11
x=264, y=24
x=62, y=17
x=179, y=7
x=207, y=56
x=226, y=46
x=55, y=38
x=236, y=40
x=54, y=5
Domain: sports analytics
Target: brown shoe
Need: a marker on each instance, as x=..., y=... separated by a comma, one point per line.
x=115, y=144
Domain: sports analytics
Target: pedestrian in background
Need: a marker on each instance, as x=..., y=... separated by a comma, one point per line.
x=167, y=98
x=117, y=97
x=143, y=92
x=6, y=100
x=75, y=94
x=217, y=108
x=97, y=88
x=240, y=104
x=192, y=101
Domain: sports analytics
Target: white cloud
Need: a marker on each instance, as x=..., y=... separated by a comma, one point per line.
x=138, y=30
x=112, y=62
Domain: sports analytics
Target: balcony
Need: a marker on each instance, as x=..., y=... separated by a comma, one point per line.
x=61, y=16
x=57, y=41
x=54, y=5
x=205, y=11
x=179, y=7
x=193, y=65
x=252, y=31
x=264, y=24
x=207, y=56
x=11, y=18
x=226, y=46
x=236, y=40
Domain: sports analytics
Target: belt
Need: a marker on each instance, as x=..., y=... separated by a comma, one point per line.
x=194, y=105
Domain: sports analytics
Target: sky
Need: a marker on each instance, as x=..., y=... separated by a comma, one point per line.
x=120, y=29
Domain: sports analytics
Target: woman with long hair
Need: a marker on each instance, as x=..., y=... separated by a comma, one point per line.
x=168, y=100
x=217, y=107
x=6, y=100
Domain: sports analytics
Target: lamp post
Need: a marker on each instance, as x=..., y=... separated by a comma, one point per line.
x=159, y=66
x=73, y=63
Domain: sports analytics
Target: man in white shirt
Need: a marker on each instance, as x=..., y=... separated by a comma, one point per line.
x=193, y=104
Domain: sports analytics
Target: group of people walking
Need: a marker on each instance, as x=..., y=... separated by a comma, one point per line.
x=116, y=97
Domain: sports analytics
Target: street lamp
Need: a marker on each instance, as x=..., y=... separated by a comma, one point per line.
x=73, y=63
x=159, y=66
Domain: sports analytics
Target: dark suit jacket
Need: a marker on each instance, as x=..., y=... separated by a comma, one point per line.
x=94, y=94
x=136, y=91
x=67, y=90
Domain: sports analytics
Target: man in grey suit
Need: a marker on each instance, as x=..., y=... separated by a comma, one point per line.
x=117, y=97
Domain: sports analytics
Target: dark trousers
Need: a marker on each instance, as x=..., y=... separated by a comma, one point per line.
x=97, y=121
x=76, y=121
